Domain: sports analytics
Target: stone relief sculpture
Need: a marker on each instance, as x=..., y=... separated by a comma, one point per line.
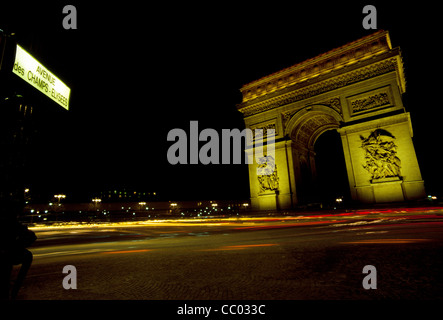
x=381, y=154
x=267, y=174
x=371, y=102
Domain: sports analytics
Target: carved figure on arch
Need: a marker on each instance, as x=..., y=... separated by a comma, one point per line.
x=267, y=174
x=381, y=155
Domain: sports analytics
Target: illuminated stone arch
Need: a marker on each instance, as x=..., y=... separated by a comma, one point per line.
x=355, y=89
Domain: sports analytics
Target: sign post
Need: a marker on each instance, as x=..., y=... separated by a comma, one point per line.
x=17, y=123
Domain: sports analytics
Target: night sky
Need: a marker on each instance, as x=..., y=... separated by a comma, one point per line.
x=139, y=69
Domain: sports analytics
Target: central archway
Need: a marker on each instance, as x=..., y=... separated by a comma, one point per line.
x=331, y=180
x=304, y=128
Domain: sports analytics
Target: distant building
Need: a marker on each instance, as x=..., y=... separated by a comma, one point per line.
x=127, y=194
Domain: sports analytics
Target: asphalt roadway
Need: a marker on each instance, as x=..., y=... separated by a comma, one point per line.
x=298, y=257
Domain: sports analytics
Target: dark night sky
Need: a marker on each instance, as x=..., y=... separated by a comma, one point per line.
x=138, y=70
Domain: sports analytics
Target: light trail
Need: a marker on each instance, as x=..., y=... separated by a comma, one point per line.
x=126, y=251
x=407, y=213
x=387, y=241
x=241, y=247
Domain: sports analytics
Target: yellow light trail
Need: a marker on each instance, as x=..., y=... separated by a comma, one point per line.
x=126, y=251
x=387, y=241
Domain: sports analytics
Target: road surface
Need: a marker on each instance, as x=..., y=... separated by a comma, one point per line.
x=300, y=257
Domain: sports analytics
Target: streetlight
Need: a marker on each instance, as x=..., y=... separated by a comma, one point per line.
x=96, y=202
x=339, y=202
x=27, y=197
x=173, y=206
x=141, y=204
x=59, y=197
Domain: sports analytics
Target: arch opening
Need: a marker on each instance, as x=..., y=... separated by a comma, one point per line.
x=321, y=177
x=330, y=185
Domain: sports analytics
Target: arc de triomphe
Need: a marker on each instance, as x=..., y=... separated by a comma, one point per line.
x=355, y=89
